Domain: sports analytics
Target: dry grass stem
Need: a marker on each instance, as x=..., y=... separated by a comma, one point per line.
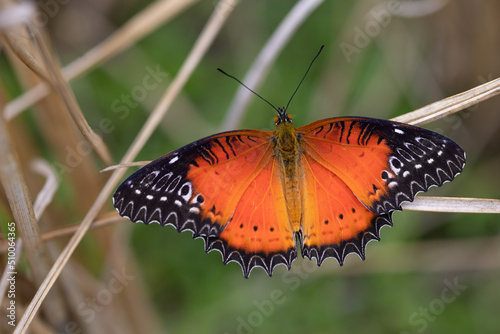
x=125, y=165
x=102, y=220
x=65, y=93
x=265, y=59
x=451, y=104
x=137, y=27
x=10, y=41
x=48, y=191
x=19, y=200
x=453, y=204
x=205, y=39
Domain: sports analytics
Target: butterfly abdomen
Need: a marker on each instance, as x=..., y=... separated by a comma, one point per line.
x=287, y=153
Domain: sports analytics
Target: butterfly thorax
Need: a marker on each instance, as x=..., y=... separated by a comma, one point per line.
x=286, y=152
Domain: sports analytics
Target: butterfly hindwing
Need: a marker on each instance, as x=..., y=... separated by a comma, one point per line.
x=336, y=222
x=259, y=233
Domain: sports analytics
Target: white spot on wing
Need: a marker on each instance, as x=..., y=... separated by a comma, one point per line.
x=163, y=198
x=150, y=197
x=137, y=191
x=401, y=132
x=174, y=159
x=194, y=210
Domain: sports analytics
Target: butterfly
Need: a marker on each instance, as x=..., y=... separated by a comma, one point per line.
x=255, y=196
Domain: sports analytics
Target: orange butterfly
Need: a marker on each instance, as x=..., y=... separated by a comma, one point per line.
x=333, y=183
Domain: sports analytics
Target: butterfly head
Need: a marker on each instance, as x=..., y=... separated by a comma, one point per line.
x=282, y=117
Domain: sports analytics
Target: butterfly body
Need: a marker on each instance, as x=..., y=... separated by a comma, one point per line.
x=287, y=151
x=333, y=183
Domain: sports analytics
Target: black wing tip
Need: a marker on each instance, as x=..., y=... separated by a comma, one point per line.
x=426, y=177
x=355, y=245
x=250, y=261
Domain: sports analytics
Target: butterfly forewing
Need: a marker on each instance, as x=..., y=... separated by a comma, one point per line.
x=197, y=186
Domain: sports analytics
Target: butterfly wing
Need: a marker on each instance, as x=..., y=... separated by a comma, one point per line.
x=359, y=170
x=335, y=222
x=259, y=233
x=223, y=188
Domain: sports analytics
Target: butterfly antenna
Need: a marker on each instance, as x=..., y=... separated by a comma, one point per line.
x=310, y=65
x=241, y=83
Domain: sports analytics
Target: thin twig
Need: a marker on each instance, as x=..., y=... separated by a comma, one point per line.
x=42, y=200
x=451, y=104
x=126, y=165
x=103, y=220
x=453, y=204
x=48, y=191
x=63, y=90
x=19, y=199
x=26, y=222
x=9, y=42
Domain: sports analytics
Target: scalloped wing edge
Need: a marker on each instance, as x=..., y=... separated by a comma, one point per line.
x=248, y=262
x=209, y=235
x=207, y=229
x=355, y=245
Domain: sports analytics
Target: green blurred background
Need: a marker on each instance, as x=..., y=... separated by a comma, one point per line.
x=415, y=56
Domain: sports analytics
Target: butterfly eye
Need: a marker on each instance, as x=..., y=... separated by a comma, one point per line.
x=276, y=118
x=289, y=116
